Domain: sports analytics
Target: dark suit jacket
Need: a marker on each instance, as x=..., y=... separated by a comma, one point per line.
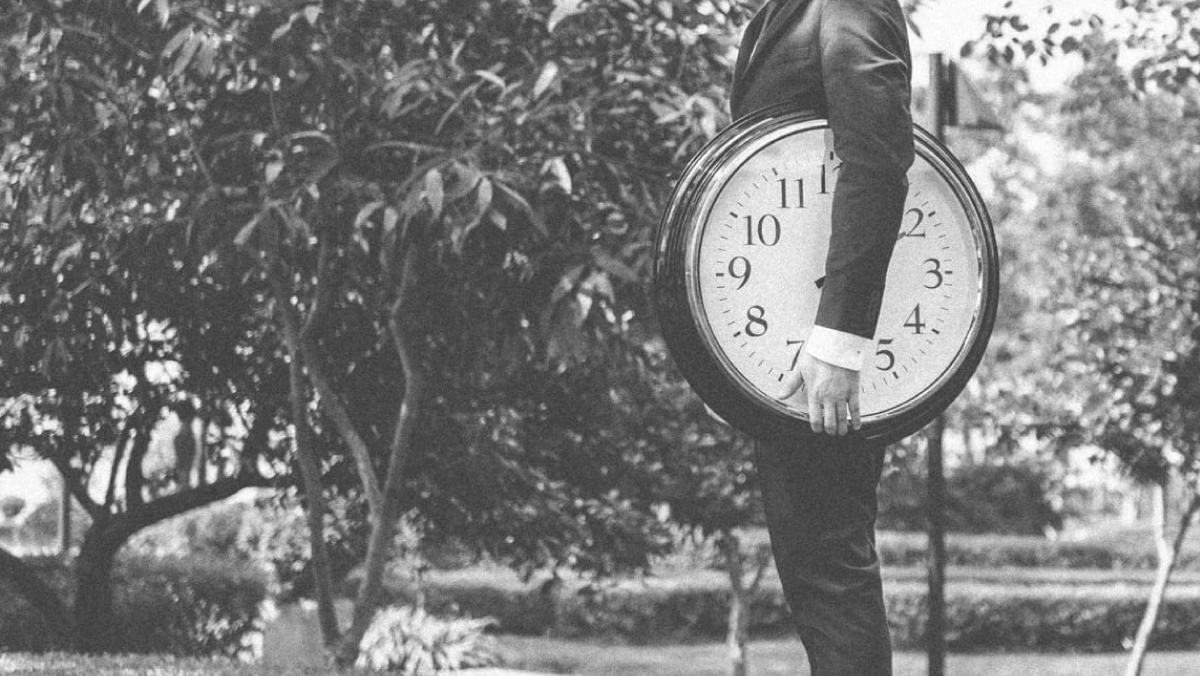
x=849, y=61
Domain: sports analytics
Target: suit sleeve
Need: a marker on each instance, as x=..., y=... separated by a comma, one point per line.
x=866, y=71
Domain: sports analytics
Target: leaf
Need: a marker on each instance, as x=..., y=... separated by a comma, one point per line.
x=283, y=29
x=274, y=168
x=483, y=202
x=177, y=41
x=67, y=254
x=435, y=191
x=186, y=53
x=523, y=206
x=491, y=77
x=546, y=78
x=562, y=10
x=598, y=284
x=247, y=230
x=566, y=283
x=164, y=11
x=207, y=56
x=616, y=268
x=561, y=176
x=390, y=218
x=365, y=213
x=498, y=219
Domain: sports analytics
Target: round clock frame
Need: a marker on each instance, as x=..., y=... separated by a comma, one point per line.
x=682, y=316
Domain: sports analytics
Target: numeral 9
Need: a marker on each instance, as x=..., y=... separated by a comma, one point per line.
x=739, y=269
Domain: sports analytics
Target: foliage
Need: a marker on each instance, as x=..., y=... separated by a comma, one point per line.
x=193, y=606
x=1161, y=32
x=1010, y=498
x=1124, y=550
x=429, y=209
x=1136, y=307
x=1001, y=610
x=414, y=643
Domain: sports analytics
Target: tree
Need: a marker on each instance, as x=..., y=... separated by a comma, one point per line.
x=1138, y=305
x=423, y=209
x=1126, y=219
x=100, y=339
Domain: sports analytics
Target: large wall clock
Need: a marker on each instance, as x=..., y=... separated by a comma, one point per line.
x=739, y=258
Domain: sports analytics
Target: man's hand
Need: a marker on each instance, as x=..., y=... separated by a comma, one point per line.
x=832, y=395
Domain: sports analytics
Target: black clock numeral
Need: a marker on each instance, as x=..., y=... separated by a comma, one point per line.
x=886, y=354
x=784, y=202
x=796, y=357
x=768, y=232
x=739, y=269
x=914, y=321
x=917, y=229
x=936, y=272
x=825, y=174
x=756, y=326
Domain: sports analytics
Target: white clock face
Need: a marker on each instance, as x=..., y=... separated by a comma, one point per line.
x=758, y=258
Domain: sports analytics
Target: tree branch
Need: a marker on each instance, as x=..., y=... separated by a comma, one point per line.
x=110, y=495
x=133, y=467
x=323, y=294
x=75, y=484
x=330, y=402
x=175, y=504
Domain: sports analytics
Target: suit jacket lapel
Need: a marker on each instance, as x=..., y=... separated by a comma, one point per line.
x=761, y=33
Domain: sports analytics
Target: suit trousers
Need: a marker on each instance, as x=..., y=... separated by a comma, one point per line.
x=821, y=503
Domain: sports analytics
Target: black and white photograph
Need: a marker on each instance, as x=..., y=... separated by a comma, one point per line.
x=600, y=337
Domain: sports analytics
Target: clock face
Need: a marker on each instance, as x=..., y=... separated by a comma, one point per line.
x=756, y=256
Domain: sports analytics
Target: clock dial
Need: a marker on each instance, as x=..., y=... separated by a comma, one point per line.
x=740, y=270
x=760, y=258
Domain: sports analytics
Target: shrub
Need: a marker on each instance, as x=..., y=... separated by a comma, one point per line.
x=415, y=643
x=185, y=607
x=992, y=616
x=1009, y=499
x=1132, y=551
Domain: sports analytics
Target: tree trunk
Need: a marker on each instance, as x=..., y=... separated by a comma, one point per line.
x=737, y=634
x=310, y=473
x=95, y=626
x=26, y=583
x=935, y=628
x=1168, y=554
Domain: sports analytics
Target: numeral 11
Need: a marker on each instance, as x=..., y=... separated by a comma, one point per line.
x=783, y=194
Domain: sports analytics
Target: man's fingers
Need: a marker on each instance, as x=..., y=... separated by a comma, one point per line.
x=816, y=417
x=832, y=417
x=843, y=419
x=792, y=385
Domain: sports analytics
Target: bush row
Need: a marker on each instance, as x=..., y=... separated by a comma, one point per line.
x=982, y=617
x=192, y=607
x=1134, y=552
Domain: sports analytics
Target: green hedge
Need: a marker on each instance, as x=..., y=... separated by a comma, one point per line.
x=1121, y=551
x=982, y=617
x=192, y=607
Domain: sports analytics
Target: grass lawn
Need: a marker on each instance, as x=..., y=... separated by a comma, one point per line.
x=768, y=658
x=786, y=658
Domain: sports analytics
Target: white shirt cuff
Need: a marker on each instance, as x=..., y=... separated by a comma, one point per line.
x=838, y=347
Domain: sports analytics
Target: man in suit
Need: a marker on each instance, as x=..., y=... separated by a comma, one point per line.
x=848, y=61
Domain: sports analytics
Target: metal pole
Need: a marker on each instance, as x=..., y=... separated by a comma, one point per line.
x=935, y=628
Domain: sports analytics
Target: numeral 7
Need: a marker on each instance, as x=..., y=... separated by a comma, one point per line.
x=796, y=357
